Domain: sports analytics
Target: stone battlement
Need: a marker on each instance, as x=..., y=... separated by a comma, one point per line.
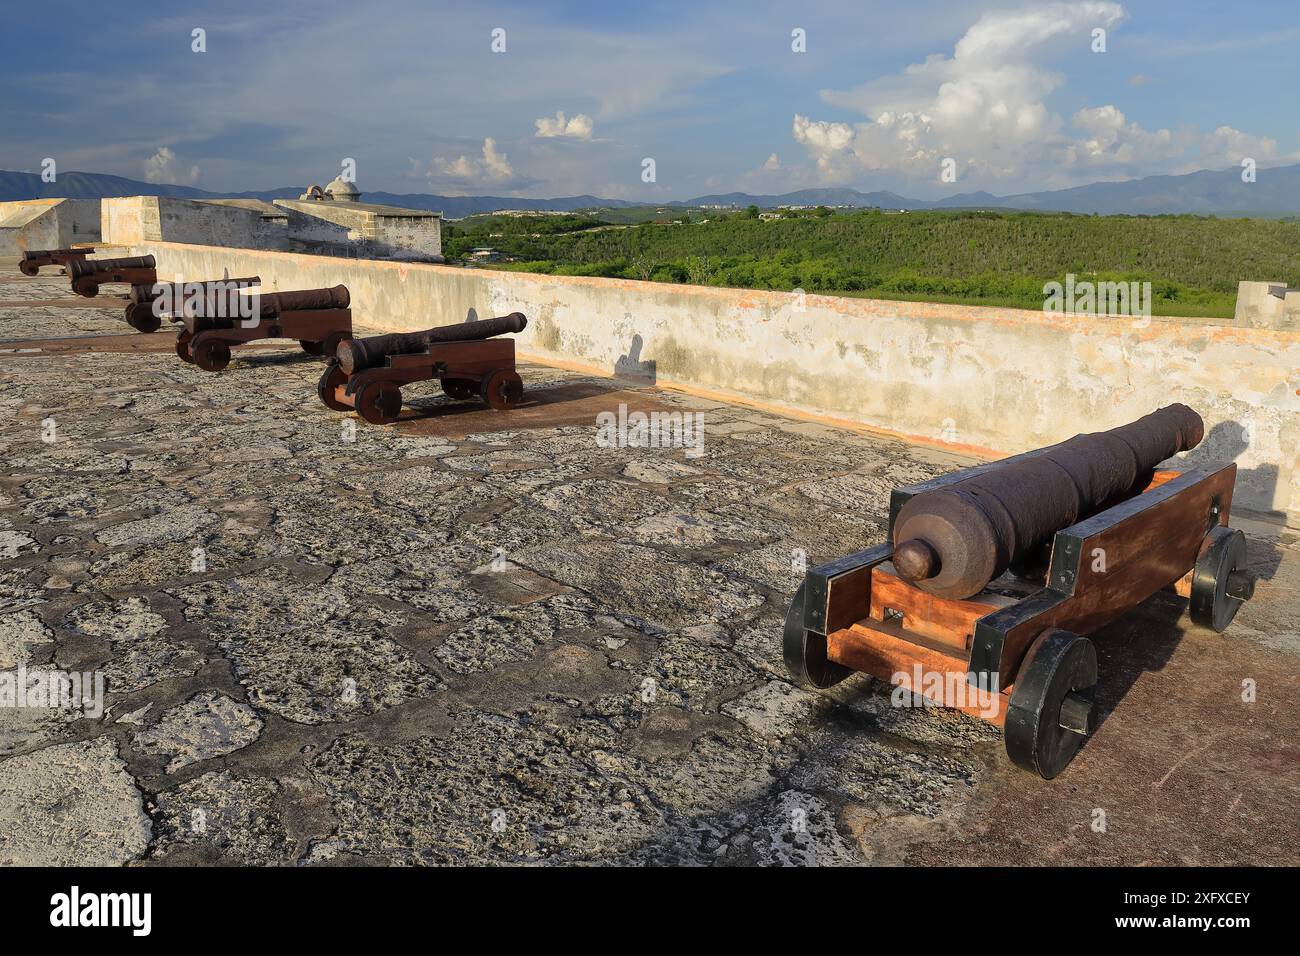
x=985, y=380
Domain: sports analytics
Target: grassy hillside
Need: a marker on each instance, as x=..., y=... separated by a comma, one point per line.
x=995, y=258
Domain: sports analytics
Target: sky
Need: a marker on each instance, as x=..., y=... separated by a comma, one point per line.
x=926, y=97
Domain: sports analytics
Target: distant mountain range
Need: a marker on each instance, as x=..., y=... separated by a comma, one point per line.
x=15, y=185
x=1275, y=193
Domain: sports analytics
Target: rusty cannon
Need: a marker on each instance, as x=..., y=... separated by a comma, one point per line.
x=467, y=359
x=319, y=319
x=88, y=275
x=954, y=540
x=1087, y=529
x=32, y=260
x=150, y=304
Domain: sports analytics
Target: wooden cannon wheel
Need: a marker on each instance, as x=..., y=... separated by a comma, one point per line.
x=458, y=388
x=380, y=402
x=331, y=344
x=805, y=651
x=211, y=355
x=183, y=345
x=1050, y=713
x=333, y=377
x=502, y=389
x=141, y=318
x=327, y=347
x=1220, y=586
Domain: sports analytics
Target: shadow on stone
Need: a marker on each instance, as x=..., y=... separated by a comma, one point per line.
x=1226, y=442
x=630, y=367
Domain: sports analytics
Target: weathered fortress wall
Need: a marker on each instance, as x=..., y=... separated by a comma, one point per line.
x=388, y=231
x=989, y=380
x=362, y=229
x=29, y=224
x=136, y=219
x=1269, y=304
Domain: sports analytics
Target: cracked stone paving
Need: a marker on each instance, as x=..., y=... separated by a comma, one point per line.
x=479, y=637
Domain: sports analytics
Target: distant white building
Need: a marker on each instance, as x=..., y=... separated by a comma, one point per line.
x=335, y=219
x=331, y=221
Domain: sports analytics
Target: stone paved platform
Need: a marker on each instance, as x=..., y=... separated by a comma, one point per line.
x=479, y=637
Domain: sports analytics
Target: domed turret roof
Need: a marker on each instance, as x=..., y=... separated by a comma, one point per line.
x=340, y=189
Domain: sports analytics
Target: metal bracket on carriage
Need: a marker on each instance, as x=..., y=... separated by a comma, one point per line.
x=87, y=275
x=173, y=300
x=319, y=319
x=467, y=360
x=32, y=260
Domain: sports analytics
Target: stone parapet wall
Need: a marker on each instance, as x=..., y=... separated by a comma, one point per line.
x=994, y=381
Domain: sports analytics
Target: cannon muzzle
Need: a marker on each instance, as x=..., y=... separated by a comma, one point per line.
x=357, y=354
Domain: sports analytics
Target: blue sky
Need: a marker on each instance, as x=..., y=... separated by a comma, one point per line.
x=1007, y=97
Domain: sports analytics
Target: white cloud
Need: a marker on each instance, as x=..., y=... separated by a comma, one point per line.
x=493, y=167
x=1112, y=139
x=1003, y=34
x=986, y=107
x=983, y=106
x=772, y=176
x=1228, y=147
x=1022, y=75
x=577, y=127
x=164, y=167
x=496, y=163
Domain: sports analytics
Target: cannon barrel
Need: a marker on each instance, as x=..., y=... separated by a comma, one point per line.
x=85, y=267
x=954, y=540
x=33, y=259
x=218, y=311
x=357, y=354
x=46, y=253
x=144, y=294
x=274, y=303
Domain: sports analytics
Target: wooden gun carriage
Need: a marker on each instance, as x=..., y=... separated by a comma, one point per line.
x=367, y=374
x=32, y=260
x=318, y=318
x=1017, y=652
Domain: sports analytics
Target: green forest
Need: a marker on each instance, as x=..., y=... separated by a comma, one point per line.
x=986, y=258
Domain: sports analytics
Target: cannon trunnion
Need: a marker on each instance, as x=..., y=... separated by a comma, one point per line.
x=1017, y=651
